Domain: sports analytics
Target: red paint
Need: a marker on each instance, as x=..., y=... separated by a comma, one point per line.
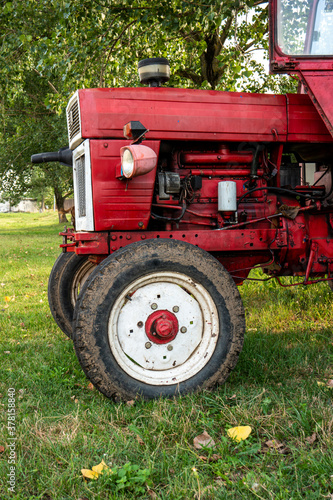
x=161, y=327
x=119, y=204
x=203, y=138
x=314, y=71
x=200, y=115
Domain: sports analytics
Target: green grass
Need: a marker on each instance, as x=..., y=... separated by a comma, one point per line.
x=63, y=426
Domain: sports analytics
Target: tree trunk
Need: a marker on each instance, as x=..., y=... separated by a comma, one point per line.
x=60, y=199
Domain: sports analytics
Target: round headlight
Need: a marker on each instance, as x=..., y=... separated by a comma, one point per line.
x=127, y=163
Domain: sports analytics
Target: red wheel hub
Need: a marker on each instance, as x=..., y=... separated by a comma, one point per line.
x=161, y=327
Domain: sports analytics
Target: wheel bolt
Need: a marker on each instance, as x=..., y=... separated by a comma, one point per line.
x=183, y=329
x=170, y=347
x=140, y=324
x=148, y=345
x=175, y=309
x=154, y=306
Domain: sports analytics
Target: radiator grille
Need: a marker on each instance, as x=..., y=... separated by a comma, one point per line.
x=81, y=184
x=73, y=120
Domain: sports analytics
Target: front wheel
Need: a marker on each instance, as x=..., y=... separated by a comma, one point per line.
x=158, y=318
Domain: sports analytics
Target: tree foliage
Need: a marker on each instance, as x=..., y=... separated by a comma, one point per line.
x=49, y=49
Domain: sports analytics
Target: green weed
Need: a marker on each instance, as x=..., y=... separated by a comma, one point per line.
x=63, y=426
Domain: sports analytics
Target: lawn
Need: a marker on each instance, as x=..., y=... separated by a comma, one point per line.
x=280, y=387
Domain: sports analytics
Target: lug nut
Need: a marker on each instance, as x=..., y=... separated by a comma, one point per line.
x=175, y=309
x=154, y=306
x=148, y=345
x=170, y=347
x=140, y=324
x=183, y=329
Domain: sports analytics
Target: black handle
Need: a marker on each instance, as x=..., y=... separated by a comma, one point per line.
x=64, y=156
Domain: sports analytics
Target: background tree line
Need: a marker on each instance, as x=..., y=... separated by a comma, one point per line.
x=49, y=49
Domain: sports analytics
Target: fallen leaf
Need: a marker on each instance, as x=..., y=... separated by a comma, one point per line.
x=329, y=383
x=219, y=481
x=311, y=439
x=204, y=440
x=91, y=387
x=239, y=433
x=274, y=444
x=140, y=440
x=208, y=491
x=152, y=494
x=2, y=449
x=130, y=403
x=76, y=401
x=232, y=397
x=100, y=467
x=7, y=352
x=89, y=474
x=320, y=383
x=255, y=487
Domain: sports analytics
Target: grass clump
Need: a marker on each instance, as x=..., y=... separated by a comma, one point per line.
x=280, y=388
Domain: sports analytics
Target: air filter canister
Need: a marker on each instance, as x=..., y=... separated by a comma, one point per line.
x=227, y=196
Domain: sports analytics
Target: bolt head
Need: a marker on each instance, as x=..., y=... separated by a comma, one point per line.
x=175, y=309
x=148, y=345
x=154, y=306
x=140, y=324
x=183, y=329
x=170, y=347
x=163, y=327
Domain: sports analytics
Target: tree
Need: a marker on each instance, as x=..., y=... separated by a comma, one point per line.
x=28, y=123
x=49, y=49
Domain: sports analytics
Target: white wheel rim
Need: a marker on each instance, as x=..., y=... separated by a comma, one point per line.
x=79, y=280
x=174, y=361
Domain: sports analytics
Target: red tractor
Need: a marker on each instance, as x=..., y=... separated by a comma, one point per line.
x=180, y=193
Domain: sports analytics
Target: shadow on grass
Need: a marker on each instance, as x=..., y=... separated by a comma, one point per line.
x=277, y=357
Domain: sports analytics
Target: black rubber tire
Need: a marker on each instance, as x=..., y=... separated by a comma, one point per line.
x=113, y=276
x=65, y=270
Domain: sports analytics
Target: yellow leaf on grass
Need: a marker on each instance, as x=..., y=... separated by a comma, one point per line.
x=100, y=467
x=89, y=474
x=95, y=471
x=239, y=433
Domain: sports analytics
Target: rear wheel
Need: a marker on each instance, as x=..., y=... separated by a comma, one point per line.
x=158, y=318
x=69, y=273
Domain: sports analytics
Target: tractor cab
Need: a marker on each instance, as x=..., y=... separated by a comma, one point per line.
x=301, y=43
